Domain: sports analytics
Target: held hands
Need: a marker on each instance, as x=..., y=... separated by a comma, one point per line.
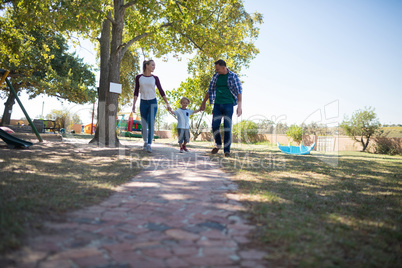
x=133, y=110
x=169, y=108
x=202, y=107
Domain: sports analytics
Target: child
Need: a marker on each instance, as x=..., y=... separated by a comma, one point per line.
x=183, y=123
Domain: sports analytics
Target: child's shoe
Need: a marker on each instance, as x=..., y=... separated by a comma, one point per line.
x=181, y=149
x=185, y=148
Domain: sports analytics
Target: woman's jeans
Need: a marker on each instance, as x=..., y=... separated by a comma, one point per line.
x=148, y=109
x=224, y=111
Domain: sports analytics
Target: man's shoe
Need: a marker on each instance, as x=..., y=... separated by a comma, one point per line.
x=145, y=146
x=185, y=148
x=227, y=154
x=215, y=150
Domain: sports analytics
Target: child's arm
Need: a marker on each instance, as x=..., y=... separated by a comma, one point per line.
x=196, y=111
x=173, y=113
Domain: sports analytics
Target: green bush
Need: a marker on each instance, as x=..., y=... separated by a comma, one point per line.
x=174, y=130
x=246, y=131
x=295, y=133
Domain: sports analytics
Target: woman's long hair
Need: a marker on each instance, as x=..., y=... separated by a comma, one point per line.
x=145, y=63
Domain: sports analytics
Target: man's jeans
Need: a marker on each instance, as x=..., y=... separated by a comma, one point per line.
x=224, y=111
x=148, y=109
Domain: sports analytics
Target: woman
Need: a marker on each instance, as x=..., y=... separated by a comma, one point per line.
x=145, y=84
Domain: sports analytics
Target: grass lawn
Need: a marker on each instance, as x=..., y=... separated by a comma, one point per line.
x=320, y=210
x=43, y=182
x=311, y=211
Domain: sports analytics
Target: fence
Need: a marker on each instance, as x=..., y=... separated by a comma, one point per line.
x=326, y=144
x=323, y=143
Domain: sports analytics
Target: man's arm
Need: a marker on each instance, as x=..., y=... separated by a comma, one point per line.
x=238, y=90
x=202, y=107
x=239, y=105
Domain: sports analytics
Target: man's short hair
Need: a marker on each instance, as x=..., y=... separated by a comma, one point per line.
x=220, y=63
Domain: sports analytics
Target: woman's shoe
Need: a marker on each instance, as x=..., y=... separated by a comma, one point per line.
x=149, y=150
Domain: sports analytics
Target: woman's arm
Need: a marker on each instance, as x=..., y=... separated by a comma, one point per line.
x=136, y=91
x=162, y=93
x=134, y=101
x=167, y=104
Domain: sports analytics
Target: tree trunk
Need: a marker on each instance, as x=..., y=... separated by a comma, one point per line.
x=196, y=131
x=108, y=102
x=8, y=107
x=104, y=41
x=365, y=145
x=112, y=99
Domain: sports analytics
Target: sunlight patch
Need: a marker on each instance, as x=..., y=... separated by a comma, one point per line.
x=176, y=196
x=142, y=184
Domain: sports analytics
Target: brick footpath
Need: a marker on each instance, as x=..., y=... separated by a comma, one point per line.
x=180, y=211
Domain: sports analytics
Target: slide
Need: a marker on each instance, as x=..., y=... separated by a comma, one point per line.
x=297, y=150
x=13, y=141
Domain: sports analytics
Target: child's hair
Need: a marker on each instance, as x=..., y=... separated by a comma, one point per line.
x=184, y=98
x=145, y=63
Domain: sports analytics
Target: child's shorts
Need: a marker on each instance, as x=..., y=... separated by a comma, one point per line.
x=184, y=135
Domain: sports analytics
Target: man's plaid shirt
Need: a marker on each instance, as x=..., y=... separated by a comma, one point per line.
x=234, y=86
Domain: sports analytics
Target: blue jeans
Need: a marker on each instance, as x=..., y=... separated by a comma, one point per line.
x=224, y=111
x=148, y=109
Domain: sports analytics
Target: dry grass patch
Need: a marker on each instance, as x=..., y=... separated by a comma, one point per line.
x=313, y=214
x=51, y=178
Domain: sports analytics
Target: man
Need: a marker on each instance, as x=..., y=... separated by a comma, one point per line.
x=225, y=92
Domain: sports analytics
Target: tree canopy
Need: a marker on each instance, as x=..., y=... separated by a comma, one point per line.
x=130, y=67
x=207, y=29
x=39, y=63
x=295, y=132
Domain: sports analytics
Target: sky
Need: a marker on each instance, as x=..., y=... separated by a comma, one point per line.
x=318, y=61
